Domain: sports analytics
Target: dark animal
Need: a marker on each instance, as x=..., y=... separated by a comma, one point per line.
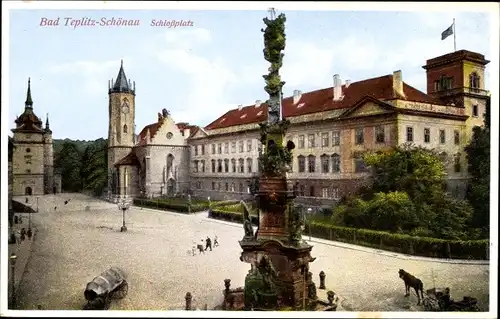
x=412, y=282
x=200, y=248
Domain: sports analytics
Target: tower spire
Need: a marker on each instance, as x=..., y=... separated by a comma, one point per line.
x=47, y=122
x=122, y=84
x=29, y=101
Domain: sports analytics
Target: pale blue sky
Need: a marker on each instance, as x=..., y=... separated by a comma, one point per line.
x=200, y=72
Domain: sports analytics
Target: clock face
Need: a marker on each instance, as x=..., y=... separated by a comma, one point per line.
x=125, y=109
x=169, y=135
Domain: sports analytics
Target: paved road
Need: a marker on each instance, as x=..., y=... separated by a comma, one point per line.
x=74, y=245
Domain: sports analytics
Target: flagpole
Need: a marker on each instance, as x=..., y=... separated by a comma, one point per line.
x=454, y=36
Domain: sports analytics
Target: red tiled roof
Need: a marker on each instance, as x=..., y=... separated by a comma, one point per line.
x=153, y=128
x=130, y=159
x=322, y=100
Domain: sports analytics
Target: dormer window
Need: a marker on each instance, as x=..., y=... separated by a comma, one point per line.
x=223, y=120
x=300, y=105
x=243, y=116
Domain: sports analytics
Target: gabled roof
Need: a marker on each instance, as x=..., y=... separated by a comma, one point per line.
x=322, y=100
x=154, y=127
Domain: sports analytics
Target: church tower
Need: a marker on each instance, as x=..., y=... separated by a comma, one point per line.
x=121, y=133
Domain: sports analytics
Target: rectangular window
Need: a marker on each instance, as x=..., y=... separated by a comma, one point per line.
x=457, y=137
x=27, y=159
x=457, y=166
x=249, y=146
x=335, y=193
x=233, y=163
x=195, y=150
x=311, y=140
x=325, y=164
x=227, y=187
x=213, y=186
x=219, y=148
x=213, y=148
x=219, y=166
x=379, y=134
x=301, y=142
x=324, y=192
x=249, y=165
x=360, y=136
x=203, y=166
x=226, y=165
x=442, y=136
x=203, y=149
x=233, y=147
x=226, y=148
x=213, y=166
x=240, y=146
x=475, y=111
x=325, y=140
x=427, y=135
x=312, y=192
x=335, y=163
x=302, y=164
x=335, y=138
x=311, y=164
x=195, y=166
x=409, y=134
x=242, y=166
x=359, y=165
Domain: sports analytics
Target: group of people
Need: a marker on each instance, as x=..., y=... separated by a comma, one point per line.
x=204, y=247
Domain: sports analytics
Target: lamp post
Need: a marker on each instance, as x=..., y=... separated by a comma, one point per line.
x=13, y=259
x=123, y=205
x=309, y=211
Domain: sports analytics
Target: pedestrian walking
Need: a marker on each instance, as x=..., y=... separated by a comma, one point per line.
x=208, y=244
x=23, y=234
x=216, y=243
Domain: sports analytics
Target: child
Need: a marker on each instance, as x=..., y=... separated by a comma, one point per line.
x=216, y=243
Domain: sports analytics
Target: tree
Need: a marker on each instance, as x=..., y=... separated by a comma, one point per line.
x=478, y=157
x=69, y=162
x=94, y=172
x=415, y=170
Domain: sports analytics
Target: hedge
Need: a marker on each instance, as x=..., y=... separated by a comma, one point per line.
x=406, y=244
x=175, y=206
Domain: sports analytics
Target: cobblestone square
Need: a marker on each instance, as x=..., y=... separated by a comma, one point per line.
x=73, y=245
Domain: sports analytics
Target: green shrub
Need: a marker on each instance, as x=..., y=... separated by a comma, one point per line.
x=174, y=205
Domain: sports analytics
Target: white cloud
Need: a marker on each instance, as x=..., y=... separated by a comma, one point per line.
x=93, y=74
x=209, y=78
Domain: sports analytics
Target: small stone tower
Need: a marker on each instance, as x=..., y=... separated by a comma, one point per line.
x=48, y=159
x=121, y=135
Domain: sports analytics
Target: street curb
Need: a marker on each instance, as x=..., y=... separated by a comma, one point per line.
x=375, y=251
x=21, y=264
x=342, y=245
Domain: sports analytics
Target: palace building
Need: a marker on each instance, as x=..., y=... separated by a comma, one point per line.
x=331, y=128
x=32, y=154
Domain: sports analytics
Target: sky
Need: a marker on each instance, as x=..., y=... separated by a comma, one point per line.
x=213, y=64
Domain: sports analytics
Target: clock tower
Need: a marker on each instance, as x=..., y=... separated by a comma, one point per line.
x=121, y=133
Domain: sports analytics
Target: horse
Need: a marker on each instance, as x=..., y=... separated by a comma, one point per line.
x=412, y=282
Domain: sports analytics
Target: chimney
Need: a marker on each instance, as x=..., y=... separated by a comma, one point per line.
x=240, y=107
x=397, y=84
x=297, y=94
x=347, y=83
x=187, y=132
x=337, y=88
x=258, y=103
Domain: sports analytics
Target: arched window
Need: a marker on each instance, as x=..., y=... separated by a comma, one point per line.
x=249, y=165
x=226, y=165
x=302, y=163
x=311, y=163
x=170, y=162
x=325, y=163
x=233, y=164
x=125, y=128
x=474, y=80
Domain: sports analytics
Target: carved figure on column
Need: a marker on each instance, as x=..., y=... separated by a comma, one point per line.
x=247, y=222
